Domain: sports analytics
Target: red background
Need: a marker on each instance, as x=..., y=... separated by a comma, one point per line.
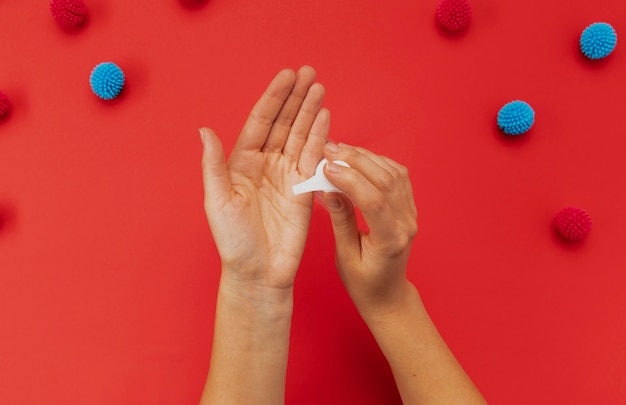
x=108, y=273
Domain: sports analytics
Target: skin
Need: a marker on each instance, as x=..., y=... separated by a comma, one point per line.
x=260, y=229
x=372, y=266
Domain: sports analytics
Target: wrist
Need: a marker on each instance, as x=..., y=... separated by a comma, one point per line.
x=402, y=298
x=256, y=297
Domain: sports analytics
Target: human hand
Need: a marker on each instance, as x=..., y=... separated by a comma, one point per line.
x=258, y=224
x=372, y=265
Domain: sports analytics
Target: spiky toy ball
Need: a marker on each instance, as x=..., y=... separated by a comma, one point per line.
x=598, y=40
x=107, y=80
x=4, y=104
x=573, y=224
x=516, y=117
x=68, y=13
x=454, y=15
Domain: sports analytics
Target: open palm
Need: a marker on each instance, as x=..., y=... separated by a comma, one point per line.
x=259, y=225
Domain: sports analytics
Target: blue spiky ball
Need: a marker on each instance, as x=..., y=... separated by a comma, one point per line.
x=598, y=40
x=516, y=117
x=107, y=80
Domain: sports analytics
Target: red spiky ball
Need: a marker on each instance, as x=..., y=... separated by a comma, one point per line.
x=454, y=15
x=573, y=224
x=4, y=104
x=68, y=13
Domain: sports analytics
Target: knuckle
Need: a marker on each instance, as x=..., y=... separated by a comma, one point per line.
x=387, y=181
x=400, y=244
x=283, y=120
x=402, y=238
x=298, y=134
x=394, y=247
x=310, y=155
x=351, y=155
x=361, y=150
x=402, y=241
x=261, y=119
x=378, y=203
x=396, y=173
x=412, y=229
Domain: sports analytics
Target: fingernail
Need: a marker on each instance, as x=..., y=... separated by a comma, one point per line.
x=332, y=147
x=334, y=204
x=333, y=167
x=201, y=135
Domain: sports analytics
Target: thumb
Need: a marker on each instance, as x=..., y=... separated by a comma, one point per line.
x=343, y=220
x=214, y=172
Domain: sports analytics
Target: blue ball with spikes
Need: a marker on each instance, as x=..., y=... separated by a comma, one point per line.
x=598, y=40
x=516, y=117
x=107, y=80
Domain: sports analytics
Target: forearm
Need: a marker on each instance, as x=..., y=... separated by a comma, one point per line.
x=250, y=345
x=425, y=370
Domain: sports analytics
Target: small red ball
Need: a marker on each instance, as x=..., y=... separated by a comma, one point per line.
x=4, y=104
x=193, y=3
x=68, y=13
x=454, y=15
x=573, y=224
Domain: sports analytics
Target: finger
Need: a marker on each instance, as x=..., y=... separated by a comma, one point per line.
x=275, y=142
x=257, y=127
x=369, y=199
x=398, y=171
x=302, y=125
x=377, y=174
x=343, y=220
x=387, y=176
x=314, y=146
x=402, y=201
x=395, y=164
x=379, y=159
x=214, y=172
x=403, y=171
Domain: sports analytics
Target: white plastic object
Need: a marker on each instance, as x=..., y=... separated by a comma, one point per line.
x=318, y=182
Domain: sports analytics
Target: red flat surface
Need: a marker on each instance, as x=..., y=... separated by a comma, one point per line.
x=107, y=269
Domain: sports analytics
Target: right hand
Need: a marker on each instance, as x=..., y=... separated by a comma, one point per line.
x=372, y=265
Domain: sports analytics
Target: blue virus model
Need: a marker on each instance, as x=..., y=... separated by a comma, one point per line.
x=598, y=40
x=107, y=80
x=516, y=118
